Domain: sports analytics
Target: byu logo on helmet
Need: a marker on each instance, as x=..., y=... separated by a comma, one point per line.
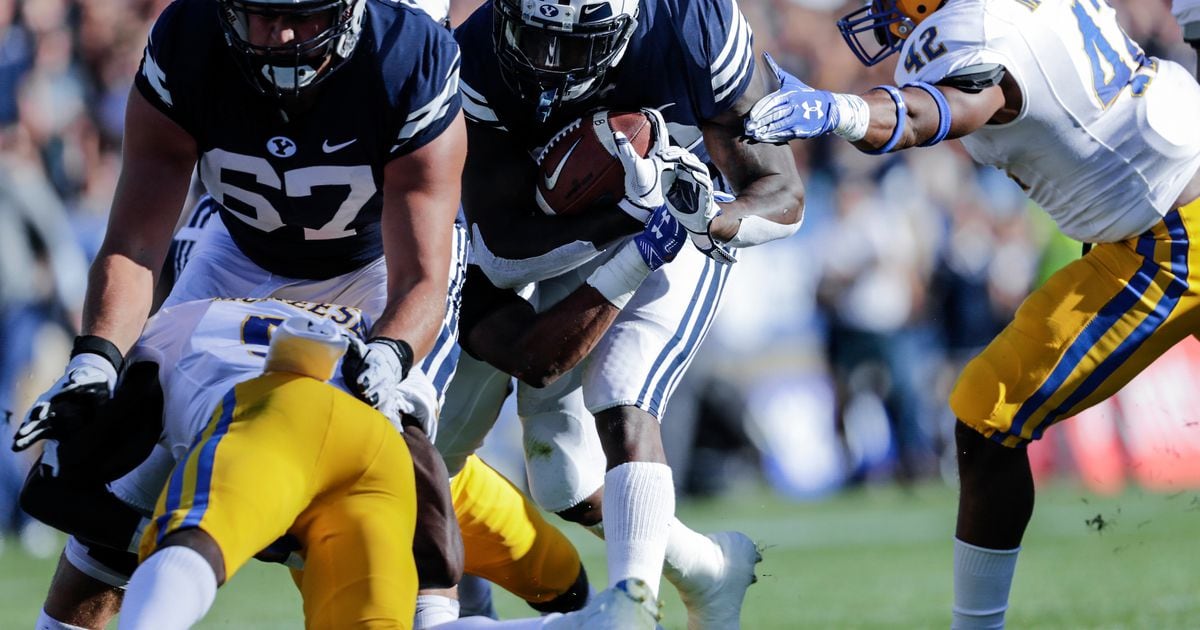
x=548, y=10
x=281, y=147
x=817, y=110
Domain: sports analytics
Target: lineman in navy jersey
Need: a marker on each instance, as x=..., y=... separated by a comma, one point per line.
x=329, y=132
x=528, y=69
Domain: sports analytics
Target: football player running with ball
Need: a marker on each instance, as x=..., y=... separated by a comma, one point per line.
x=330, y=134
x=530, y=67
x=1097, y=133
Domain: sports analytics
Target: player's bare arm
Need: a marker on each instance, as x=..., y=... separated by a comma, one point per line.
x=763, y=176
x=882, y=119
x=536, y=349
x=420, y=200
x=498, y=183
x=968, y=112
x=156, y=166
x=501, y=328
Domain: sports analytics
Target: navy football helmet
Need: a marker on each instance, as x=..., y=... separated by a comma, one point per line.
x=889, y=22
x=289, y=69
x=552, y=53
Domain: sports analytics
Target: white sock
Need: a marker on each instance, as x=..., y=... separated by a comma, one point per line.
x=485, y=623
x=46, y=622
x=982, y=578
x=434, y=610
x=639, y=503
x=689, y=553
x=173, y=588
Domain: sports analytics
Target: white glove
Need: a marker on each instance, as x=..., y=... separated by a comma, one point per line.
x=643, y=175
x=417, y=397
x=373, y=370
x=690, y=200
x=86, y=384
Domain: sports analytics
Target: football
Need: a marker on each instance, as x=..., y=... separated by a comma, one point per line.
x=579, y=168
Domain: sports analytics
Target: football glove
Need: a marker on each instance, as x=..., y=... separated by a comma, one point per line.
x=373, y=370
x=643, y=175
x=798, y=111
x=690, y=200
x=67, y=406
x=662, y=239
x=418, y=398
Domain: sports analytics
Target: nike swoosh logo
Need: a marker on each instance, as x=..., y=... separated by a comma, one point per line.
x=330, y=148
x=552, y=179
x=592, y=8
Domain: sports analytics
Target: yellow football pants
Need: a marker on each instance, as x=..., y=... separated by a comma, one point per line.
x=1092, y=327
x=289, y=454
x=506, y=540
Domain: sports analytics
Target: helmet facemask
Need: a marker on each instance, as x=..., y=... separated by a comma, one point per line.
x=286, y=71
x=550, y=55
x=887, y=22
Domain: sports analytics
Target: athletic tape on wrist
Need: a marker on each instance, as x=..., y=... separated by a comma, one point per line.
x=854, y=117
x=901, y=119
x=95, y=344
x=943, y=112
x=619, y=278
x=402, y=349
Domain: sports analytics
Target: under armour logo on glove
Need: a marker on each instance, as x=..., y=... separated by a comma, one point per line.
x=811, y=109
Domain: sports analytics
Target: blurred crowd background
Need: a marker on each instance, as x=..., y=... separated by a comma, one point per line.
x=835, y=351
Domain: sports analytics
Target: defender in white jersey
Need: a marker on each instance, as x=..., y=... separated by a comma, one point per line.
x=1101, y=136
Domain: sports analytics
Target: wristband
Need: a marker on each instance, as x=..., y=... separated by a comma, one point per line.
x=93, y=344
x=943, y=112
x=403, y=351
x=901, y=120
x=619, y=278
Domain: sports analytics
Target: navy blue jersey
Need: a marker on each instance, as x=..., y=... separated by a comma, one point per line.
x=302, y=197
x=690, y=59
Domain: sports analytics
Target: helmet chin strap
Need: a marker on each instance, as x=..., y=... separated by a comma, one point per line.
x=546, y=102
x=288, y=77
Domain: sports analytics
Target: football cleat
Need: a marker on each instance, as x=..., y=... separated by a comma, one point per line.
x=628, y=605
x=714, y=601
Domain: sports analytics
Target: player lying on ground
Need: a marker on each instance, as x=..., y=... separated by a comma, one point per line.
x=529, y=69
x=266, y=479
x=1101, y=136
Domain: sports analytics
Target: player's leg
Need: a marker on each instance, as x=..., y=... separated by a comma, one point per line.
x=638, y=365
x=85, y=598
x=1083, y=335
x=359, y=570
x=509, y=543
x=247, y=476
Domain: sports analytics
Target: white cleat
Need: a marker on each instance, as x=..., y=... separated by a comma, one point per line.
x=628, y=605
x=714, y=601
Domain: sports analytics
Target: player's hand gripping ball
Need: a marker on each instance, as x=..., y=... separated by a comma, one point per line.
x=582, y=167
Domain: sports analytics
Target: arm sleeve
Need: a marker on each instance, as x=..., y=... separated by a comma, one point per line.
x=508, y=273
x=430, y=99
x=167, y=74
x=720, y=48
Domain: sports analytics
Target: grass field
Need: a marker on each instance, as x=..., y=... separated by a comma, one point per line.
x=876, y=558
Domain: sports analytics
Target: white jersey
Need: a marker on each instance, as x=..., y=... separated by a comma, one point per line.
x=1107, y=138
x=206, y=347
